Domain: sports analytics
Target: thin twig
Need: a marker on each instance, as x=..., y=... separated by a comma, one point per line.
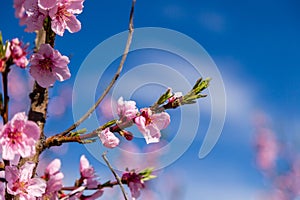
x=116, y=76
x=115, y=174
x=108, y=184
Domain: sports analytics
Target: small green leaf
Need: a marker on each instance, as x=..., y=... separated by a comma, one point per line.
x=147, y=174
x=78, y=132
x=149, y=178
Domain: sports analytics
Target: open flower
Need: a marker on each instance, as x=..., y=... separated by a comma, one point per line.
x=54, y=178
x=18, y=137
x=87, y=173
x=108, y=139
x=126, y=109
x=48, y=65
x=62, y=14
x=150, y=124
x=19, y=182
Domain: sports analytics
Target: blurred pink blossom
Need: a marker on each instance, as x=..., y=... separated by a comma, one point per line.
x=18, y=53
x=18, y=137
x=19, y=182
x=267, y=149
x=48, y=65
x=108, y=138
x=150, y=124
x=107, y=106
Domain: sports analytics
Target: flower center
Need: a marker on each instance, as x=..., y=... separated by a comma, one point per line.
x=20, y=186
x=46, y=64
x=14, y=136
x=146, y=114
x=62, y=14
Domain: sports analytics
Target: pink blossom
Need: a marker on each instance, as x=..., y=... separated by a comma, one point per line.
x=19, y=182
x=150, y=124
x=87, y=173
x=18, y=53
x=134, y=182
x=108, y=139
x=33, y=17
x=62, y=14
x=54, y=178
x=267, y=149
x=18, y=137
x=48, y=65
x=126, y=109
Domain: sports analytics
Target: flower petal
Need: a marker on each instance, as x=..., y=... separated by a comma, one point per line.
x=47, y=4
x=36, y=187
x=73, y=24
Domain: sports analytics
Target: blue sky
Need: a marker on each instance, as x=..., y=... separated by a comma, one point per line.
x=255, y=45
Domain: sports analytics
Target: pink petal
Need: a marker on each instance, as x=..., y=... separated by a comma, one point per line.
x=84, y=163
x=8, y=153
x=47, y=4
x=58, y=27
x=19, y=120
x=53, y=167
x=32, y=130
x=11, y=174
x=161, y=120
x=62, y=74
x=43, y=77
x=26, y=171
x=46, y=50
x=36, y=187
x=152, y=134
x=75, y=6
x=73, y=24
x=140, y=122
x=55, y=182
x=59, y=60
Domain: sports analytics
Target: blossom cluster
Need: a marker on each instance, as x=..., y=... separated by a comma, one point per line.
x=279, y=163
x=149, y=123
x=32, y=13
x=48, y=186
x=13, y=52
